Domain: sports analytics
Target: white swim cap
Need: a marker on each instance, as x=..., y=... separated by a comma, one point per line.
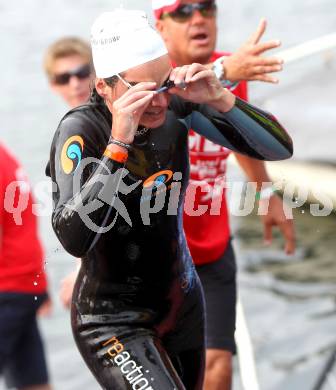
x=123, y=39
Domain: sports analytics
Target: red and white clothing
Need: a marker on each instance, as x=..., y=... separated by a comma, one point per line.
x=21, y=253
x=208, y=234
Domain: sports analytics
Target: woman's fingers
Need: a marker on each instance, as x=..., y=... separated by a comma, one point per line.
x=185, y=74
x=202, y=75
x=197, y=70
x=178, y=75
x=131, y=98
x=139, y=105
x=143, y=86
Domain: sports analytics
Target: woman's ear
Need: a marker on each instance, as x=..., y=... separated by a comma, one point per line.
x=101, y=87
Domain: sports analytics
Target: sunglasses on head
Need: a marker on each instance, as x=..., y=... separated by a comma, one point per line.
x=185, y=11
x=82, y=72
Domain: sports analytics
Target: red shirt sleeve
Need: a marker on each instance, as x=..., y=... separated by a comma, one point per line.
x=2, y=190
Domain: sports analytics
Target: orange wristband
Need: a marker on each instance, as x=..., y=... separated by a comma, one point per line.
x=116, y=156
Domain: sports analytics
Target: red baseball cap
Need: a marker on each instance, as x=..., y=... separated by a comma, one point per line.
x=161, y=6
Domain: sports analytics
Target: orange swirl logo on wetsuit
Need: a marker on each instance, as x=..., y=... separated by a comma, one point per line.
x=158, y=178
x=71, y=154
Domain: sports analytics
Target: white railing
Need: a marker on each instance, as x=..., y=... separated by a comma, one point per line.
x=308, y=48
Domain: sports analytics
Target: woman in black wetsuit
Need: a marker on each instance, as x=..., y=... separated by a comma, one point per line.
x=137, y=310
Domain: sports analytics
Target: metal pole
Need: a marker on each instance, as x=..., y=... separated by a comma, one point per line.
x=326, y=371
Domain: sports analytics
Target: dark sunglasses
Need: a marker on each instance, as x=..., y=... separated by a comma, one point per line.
x=185, y=11
x=81, y=73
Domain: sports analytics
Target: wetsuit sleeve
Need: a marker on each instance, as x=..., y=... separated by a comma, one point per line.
x=245, y=129
x=85, y=185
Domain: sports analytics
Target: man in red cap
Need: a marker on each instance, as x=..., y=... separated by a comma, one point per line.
x=189, y=30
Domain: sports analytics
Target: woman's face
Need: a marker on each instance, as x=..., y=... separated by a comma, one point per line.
x=158, y=71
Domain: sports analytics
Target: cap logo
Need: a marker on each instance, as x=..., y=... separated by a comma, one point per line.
x=105, y=41
x=114, y=33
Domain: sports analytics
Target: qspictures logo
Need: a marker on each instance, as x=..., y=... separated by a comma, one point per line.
x=131, y=371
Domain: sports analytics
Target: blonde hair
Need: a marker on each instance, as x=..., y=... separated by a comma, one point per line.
x=66, y=47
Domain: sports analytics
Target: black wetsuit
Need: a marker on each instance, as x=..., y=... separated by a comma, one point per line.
x=137, y=310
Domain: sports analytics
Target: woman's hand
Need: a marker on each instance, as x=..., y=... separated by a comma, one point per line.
x=198, y=84
x=128, y=109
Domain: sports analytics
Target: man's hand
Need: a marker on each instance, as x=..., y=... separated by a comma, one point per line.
x=45, y=309
x=275, y=216
x=247, y=63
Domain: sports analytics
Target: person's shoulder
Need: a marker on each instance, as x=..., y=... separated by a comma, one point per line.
x=80, y=114
x=2, y=150
x=6, y=155
x=84, y=120
x=84, y=130
x=8, y=163
x=217, y=54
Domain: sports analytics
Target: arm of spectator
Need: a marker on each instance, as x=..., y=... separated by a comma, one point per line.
x=274, y=214
x=45, y=309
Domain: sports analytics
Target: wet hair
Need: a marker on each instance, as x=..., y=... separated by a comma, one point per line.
x=95, y=97
x=66, y=47
x=111, y=81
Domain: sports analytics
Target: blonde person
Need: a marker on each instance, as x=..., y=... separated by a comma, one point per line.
x=68, y=66
x=69, y=69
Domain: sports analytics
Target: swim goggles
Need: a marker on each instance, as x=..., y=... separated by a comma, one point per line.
x=164, y=87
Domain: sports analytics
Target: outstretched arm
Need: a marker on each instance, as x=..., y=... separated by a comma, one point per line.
x=274, y=215
x=227, y=120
